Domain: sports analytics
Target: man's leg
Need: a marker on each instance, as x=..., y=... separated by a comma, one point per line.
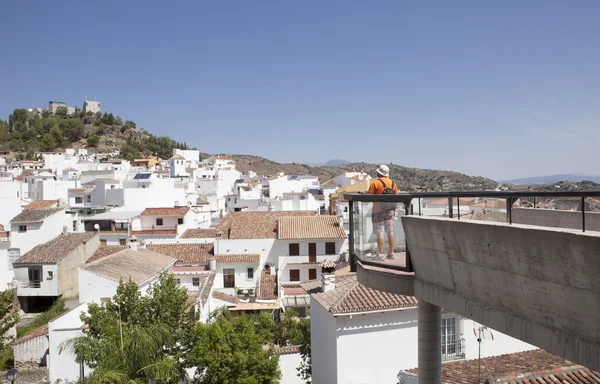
x=391, y=236
x=380, y=243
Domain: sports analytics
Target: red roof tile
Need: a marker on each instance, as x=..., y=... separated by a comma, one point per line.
x=350, y=296
x=199, y=234
x=106, y=251
x=175, y=211
x=41, y=331
x=224, y=297
x=267, y=286
x=186, y=253
x=537, y=366
x=37, y=204
x=314, y=227
x=254, y=224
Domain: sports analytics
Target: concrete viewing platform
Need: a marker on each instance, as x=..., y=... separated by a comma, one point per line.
x=540, y=285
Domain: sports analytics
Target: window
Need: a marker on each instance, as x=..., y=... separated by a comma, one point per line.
x=178, y=281
x=122, y=242
x=180, y=220
x=228, y=278
x=103, y=243
x=448, y=336
x=330, y=248
x=50, y=275
x=22, y=228
x=294, y=249
x=159, y=221
x=196, y=281
x=88, y=198
x=312, y=252
x=312, y=274
x=250, y=273
x=294, y=275
x=35, y=275
x=78, y=200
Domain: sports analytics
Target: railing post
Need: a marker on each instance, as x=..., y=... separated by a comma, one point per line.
x=419, y=206
x=458, y=207
x=351, y=237
x=534, y=204
x=583, y=213
x=450, y=208
x=509, y=209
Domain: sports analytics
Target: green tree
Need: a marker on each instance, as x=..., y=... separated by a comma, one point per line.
x=93, y=141
x=9, y=317
x=61, y=111
x=48, y=143
x=157, y=335
x=305, y=368
x=230, y=350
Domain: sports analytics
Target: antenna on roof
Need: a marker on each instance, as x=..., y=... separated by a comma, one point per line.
x=481, y=334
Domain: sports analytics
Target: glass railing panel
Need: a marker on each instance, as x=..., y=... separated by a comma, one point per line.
x=373, y=224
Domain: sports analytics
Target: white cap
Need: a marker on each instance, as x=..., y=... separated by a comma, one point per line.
x=383, y=170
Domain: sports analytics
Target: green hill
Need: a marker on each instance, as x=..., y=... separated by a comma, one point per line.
x=25, y=133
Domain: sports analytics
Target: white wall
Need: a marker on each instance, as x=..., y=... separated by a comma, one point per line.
x=501, y=344
x=32, y=350
x=48, y=287
x=6, y=268
x=37, y=233
x=323, y=340
x=62, y=366
x=10, y=201
x=241, y=275
x=93, y=287
x=287, y=366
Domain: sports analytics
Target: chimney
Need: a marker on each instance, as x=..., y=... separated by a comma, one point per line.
x=65, y=230
x=133, y=243
x=212, y=264
x=327, y=276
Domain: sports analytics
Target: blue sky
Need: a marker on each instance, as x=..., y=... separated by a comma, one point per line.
x=499, y=89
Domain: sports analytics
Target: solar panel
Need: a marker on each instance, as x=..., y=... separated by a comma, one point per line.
x=141, y=176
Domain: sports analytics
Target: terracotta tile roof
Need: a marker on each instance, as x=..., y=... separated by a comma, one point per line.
x=350, y=296
x=177, y=157
x=490, y=203
x=575, y=374
x=238, y=258
x=254, y=224
x=294, y=291
x=287, y=350
x=225, y=297
x=485, y=215
x=330, y=183
x=77, y=191
x=3, y=233
x=315, y=227
x=108, y=180
x=343, y=271
x=206, y=287
x=41, y=331
x=139, y=266
x=509, y=367
x=35, y=215
x=199, y=234
x=190, y=170
x=186, y=253
x=106, y=251
x=176, y=211
x=41, y=204
x=267, y=286
x=53, y=251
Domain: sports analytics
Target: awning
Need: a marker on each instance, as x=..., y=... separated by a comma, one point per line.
x=296, y=301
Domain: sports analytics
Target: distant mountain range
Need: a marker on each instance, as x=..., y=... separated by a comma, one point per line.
x=551, y=179
x=330, y=163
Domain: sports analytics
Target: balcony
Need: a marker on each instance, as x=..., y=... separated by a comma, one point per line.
x=37, y=288
x=153, y=230
x=455, y=350
x=523, y=263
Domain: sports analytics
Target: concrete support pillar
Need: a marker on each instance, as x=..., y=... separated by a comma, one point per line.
x=430, y=343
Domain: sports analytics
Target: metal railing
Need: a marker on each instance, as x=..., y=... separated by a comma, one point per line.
x=30, y=284
x=407, y=199
x=454, y=350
